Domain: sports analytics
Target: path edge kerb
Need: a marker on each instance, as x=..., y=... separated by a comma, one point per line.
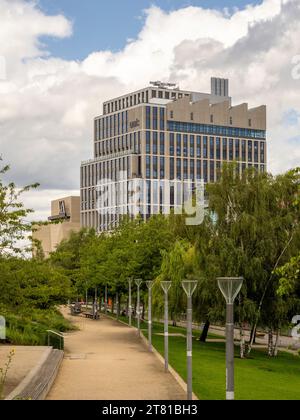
x=172, y=371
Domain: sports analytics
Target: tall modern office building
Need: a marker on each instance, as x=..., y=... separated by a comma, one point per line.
x=160, y=138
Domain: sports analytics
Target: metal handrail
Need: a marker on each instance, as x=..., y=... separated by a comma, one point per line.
x=61, y=336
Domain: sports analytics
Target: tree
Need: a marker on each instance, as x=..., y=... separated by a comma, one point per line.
x=13, y=213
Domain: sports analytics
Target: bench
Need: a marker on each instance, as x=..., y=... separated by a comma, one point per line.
x=90, y=315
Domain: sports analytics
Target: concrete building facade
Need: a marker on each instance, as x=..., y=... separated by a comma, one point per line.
x=66, y=213
x=160, y=135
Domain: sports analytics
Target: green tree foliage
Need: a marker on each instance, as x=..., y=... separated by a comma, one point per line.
x=13, y=213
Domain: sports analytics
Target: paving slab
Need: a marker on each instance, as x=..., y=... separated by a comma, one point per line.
x=106, y=360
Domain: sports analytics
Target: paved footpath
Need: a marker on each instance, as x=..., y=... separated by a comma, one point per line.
x=106, y=360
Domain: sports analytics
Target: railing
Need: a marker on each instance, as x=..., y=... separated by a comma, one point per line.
x=59, y=339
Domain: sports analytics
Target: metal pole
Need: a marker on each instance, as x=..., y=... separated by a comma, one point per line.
x=105, y=303
x=229, y=352
x=138, y=311
x=166, y=332
x=129, y=303
x=150, y=318
x=189, y=341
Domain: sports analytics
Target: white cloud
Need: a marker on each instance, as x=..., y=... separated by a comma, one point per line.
x=47, y=104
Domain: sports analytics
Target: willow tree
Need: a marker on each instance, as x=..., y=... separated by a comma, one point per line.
x=257, y=229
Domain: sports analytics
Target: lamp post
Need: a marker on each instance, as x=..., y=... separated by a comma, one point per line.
x=166, y=287
x=189, y=286
x=150, y=285
x=138, y=282
x=230, y=288
x=129, y=301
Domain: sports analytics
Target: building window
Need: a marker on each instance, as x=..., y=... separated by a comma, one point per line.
x=162, y=167
x=230, y=121
x=192, y=146
x=230, y=149
x=192, y=116
x=212, y=148
x=172, y=168
x=192, y=169
x=162, y=143
x=178, y=168
x=160, y=94
x=148, y=167
x=256, y=151
x=198, y=146
x=153, y=93
x=148, y=142
x=237, y=149
x=154, y=118
x=212, y=171
x=154, y=166
x=172, y=144
x=250, y=151
x=218, y=148
x=185, y=145
x=262, y=152
x=198, y=169
x=205, y=170
x=171, y=114
x=205, y=147
x=154, y=143
x=211, y=119
x=178, y=144
x=162, y=118
x=250, y=122
x=243, y=150
x=167, y=95
x=148, y=117
x=185, y=169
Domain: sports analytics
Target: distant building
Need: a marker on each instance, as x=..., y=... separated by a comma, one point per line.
x=161, y=135
x=66, y=211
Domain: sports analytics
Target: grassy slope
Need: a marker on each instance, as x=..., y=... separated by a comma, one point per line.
x=258, y=377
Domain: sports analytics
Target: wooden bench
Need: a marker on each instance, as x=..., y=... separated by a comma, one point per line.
x=90, y=315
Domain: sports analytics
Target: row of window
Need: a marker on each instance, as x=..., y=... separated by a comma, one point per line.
x=108, y=169
x=205, y=147
x=183, y=169
x=215, y=130
x=111, y=126
x=152, y=114
x=119, y=144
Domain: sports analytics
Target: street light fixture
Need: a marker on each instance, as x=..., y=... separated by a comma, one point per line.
x=166, y=287
x=230, y=288
x=149, y=284
x=138, y=282
x=189, y=286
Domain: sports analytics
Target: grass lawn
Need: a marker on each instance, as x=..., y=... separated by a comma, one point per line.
x=256, y=378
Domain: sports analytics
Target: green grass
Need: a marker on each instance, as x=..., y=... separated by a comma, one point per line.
x=256, y=378
x=29, y=327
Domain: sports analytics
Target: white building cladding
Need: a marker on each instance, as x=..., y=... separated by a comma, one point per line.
x=153, y=146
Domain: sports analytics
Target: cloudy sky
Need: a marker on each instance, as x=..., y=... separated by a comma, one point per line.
x=60, y=59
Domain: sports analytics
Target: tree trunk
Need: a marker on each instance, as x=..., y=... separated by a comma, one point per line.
x=143, y=313
x=242, y=342
x=204, y=333
x=112, y=305
x=270, y=342
x=252, y=337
